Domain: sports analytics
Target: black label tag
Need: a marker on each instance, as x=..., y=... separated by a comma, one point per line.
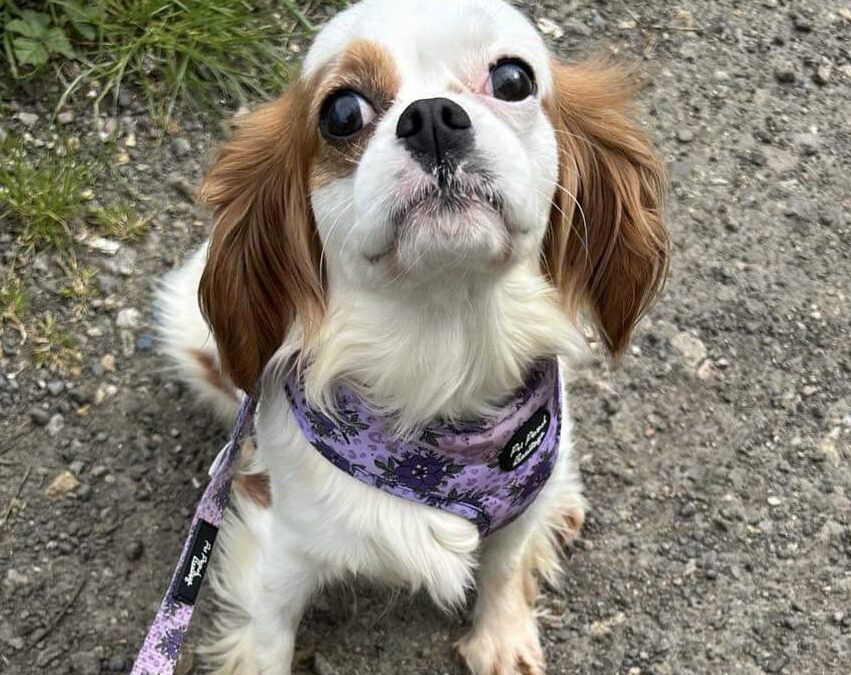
x=195, y=565
x=526, y=440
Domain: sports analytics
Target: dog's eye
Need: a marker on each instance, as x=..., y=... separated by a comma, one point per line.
x=512, y=80
x=344, y=114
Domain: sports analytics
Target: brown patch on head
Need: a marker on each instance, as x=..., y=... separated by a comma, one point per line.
x=607, y=249
x=263, y=264
x=368, y=69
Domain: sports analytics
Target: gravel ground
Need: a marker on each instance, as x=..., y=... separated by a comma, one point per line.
x=715, y=458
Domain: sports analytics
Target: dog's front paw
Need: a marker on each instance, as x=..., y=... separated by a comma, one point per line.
x=512, y=650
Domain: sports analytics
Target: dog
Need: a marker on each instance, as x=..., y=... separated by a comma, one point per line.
x=432, y=210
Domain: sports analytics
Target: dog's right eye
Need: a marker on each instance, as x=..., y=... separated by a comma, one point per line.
x=344, y=114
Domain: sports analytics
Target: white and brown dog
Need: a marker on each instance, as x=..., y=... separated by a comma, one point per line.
x=419, y=218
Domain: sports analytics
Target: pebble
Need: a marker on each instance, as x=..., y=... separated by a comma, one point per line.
x=134, y=551
x=28, y=119
x=823, y=73
x=685, y=135
x=56, y=424
x=62, y=484
x=774, y=501
x=107, y=362
x=573, y=27
x=39, y=416
x=785, y=74
x=56, y=387
x=690, y=348
x=180, y=146
x=80, y=395
x=550, y=28
x=65, y=117
x=182, y=186
x=128, y=318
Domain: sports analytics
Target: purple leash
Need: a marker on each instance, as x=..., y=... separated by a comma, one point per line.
x=158, y=655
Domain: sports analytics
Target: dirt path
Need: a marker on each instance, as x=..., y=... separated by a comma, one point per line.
x=716, y=459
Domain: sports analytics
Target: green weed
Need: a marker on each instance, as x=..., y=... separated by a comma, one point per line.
x=41, y=197
x=53, y=347
x=120, y=222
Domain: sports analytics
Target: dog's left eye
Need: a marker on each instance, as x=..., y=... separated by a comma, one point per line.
x=512, y=80
x=344, y=114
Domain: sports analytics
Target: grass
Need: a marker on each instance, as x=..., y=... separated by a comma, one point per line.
x=197, y=50
x=53, y=348
x=120, y=222
x=13, y=303
x=42, y=196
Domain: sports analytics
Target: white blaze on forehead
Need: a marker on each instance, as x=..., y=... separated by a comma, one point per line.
x=433, y=40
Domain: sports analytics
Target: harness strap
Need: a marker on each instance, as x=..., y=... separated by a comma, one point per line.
x=167, y=633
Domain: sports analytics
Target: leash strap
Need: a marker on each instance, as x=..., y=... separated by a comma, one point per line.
x=167, y=633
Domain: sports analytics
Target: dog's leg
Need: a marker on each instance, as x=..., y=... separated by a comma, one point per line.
x=263, y=584
x=504, y=637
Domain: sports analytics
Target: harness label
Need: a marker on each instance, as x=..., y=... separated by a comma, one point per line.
x=526, y=440
x=195, y=565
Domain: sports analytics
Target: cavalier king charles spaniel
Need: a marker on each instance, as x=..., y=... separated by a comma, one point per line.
x=401, y=246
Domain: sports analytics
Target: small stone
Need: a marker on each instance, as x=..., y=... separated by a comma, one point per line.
x=65, y=117
x=792, y=622
x=802, y=23
x=80, y=395
x=134, y=551
x=129, y=318
x=84, y=492
x=687, y=510
x=182, y=186
x=144, y=342
x=550, y=28
x=180, y=146
x=685, y=135
x=56, y=424
x=785, y=74
x=28, y=119
x=573, y=27
x=107, y=362
x=64, y=483
x=774, y=501
x=56, y=387
x=39, y=416
x=823, y=73
x=692, y=350
x=125, y=99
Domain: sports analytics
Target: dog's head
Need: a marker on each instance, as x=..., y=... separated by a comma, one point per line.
x=429, y=142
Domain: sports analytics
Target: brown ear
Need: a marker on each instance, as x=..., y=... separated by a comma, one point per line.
x=263, y=263
x=607, y=248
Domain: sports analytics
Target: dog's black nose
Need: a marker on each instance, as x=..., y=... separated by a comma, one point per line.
x=436, y=131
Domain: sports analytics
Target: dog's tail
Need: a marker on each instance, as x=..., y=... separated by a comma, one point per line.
x=186, y=339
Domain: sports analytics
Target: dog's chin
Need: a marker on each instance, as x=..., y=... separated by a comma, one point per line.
x=444, y=234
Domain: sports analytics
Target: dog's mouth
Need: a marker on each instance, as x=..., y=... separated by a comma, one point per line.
x=444, y=205
x=451, y=192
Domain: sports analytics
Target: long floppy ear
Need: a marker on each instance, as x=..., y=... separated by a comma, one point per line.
x=607, y=248
x=263, y=264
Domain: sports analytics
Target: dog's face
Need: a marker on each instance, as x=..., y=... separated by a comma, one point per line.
x=426, y=142
x=438, y=156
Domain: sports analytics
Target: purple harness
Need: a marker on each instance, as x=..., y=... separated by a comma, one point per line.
x=488, y=473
